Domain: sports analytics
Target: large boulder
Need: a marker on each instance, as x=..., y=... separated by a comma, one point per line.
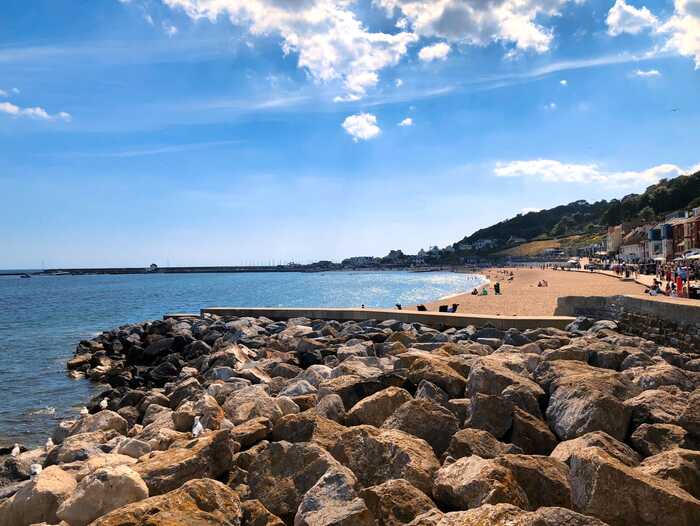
x=681, y=466
x=308, y=426
x=619, y=495
x=375, y=409
x=284, y=472
x=526, y=481
x=105, y=420
x=100, y=492
x=652, y=439
x=207, y=457
x=333, y=501
x=531, y=434
x=427, y=420
x=251, y=402
x=616, y=449
x=467, y=442
x=439, y=373
x=38, y=500
x=576, y=409
x=350, y=388
x=200, y=502
x=472, y=481
x=377, y=455
x=396, y=502
x=506, y=515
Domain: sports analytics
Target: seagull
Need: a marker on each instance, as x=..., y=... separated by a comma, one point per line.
x=49, y=444
x=15, y=450
x=197, y=428
x=104, y=403
x=35, y=469
x=84, y=411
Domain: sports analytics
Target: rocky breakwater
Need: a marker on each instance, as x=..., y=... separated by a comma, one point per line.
x=316, y=423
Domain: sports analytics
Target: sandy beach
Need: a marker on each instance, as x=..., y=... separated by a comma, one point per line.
x=520, y=295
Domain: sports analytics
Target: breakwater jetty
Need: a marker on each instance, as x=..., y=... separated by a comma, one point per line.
x=238, y=418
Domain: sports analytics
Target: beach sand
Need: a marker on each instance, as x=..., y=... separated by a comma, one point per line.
x=522, y=297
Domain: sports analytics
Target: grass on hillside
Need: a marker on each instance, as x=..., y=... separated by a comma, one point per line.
x=536, y=248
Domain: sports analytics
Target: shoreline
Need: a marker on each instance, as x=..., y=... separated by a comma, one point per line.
x=520, y=295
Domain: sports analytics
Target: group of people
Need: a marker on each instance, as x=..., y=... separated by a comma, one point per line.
x=485, y=290
x=543, y=283
x=678, y=279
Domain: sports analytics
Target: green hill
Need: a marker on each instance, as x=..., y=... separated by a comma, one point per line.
x=584, y=218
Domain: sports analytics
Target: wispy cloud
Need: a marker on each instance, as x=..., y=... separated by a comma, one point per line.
x=156, y=150
x=408, y=121
x=647, y=73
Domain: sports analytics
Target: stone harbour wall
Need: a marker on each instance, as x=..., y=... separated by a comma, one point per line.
x=665, y=321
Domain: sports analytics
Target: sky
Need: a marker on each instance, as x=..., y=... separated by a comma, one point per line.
x=223, y=132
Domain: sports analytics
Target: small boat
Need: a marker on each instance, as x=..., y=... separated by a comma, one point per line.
x=24, y=276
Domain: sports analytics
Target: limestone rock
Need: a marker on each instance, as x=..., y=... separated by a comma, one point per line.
x=331, y=407
x=251, y=432
x=616, y=449
x=678, y=465
x=638, y=498
x=101, y=492
x=531, y=434
x=284, y=472
x=255, y=514
x=375, y=456
x=467, y=442
x=439, y=373
x=308, y=427
x=427, y=420
x=200, y=502
x=395, y=502
x=472, y=481
x=207, y=457
x=251, y=402
x=39, y=499
x=652, y=439
x=105, y=420
x=79, y=447
x=333, y=501
x=375, y=409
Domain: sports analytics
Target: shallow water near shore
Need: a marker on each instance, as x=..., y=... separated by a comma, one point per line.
x=42, y=319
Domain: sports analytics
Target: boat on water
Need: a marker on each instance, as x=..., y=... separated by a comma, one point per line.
x=25, y=276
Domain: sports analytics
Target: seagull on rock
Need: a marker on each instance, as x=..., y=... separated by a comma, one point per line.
x=49, y=444
x=197, y=428
x=34, y=470
x=104, y=403
x=84, y=411
x=15, y=450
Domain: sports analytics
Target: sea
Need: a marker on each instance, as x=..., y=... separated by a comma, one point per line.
x=42, y=319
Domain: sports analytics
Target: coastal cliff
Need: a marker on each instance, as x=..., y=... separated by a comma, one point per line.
x=249, y=421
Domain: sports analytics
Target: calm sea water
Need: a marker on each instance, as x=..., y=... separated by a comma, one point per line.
x=43, y=318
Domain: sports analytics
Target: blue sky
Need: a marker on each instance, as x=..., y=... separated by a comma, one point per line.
x=254, y=131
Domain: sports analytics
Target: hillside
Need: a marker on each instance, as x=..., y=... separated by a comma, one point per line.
x=582, y=218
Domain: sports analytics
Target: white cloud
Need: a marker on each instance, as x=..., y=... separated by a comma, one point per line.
x=625, y=18
x=148, y=18
x=169, y=29
x=647, y=73
x=331, y=42
x=551, y=106
x=553, y=171
x=564, y=82
x=361, y=127
x=684, y=28
x=15, y=91
x=437, y=51
x=398, y=83
x=479, y=23
x=32, y=113
x=3, y=93
x=408, y=121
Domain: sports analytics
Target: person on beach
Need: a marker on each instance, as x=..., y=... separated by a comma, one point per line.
x=484, y=292
x=497, y=288
x=475, y=292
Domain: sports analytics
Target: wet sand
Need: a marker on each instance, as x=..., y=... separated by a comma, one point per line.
x=520, y=295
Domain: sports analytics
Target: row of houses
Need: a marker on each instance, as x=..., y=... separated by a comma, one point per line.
x=676, y=237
